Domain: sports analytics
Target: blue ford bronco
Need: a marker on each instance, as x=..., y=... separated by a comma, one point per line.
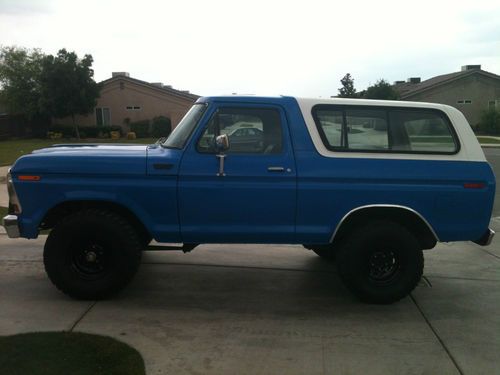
x=367, y=184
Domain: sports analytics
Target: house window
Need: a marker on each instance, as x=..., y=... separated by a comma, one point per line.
x=468, y=101
x=494, y=104
x=464, y=101
x=133, y=108
x=102, y=116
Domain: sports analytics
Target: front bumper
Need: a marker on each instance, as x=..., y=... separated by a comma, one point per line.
x=11, y=225
x=487, y=237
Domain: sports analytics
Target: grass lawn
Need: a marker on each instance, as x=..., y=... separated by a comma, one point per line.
x=11, y=150
x=488, y=140
x=54, y=353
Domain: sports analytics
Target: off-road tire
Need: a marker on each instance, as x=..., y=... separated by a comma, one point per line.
x=380, y=262
x=108, y=237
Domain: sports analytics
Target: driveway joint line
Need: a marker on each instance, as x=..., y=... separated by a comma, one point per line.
x=479, y=247
x=427, y=281
x=83, y=316
x=453, y=360
x=462, y=278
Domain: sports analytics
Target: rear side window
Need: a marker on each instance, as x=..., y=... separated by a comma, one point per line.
x=385, y=129
x=421, y=131
x=366, y=129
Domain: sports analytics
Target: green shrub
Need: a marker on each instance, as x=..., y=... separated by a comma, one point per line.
x=89, y=132
x=162, y=127
x=140, y=128
x=67, y=131
x=490, y=122
x=103, y=131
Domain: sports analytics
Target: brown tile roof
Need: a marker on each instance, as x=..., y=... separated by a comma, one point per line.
x=409, y=89
x=165, y=89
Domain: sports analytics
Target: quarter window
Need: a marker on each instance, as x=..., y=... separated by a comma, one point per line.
x=250, y=131
x=400, y=130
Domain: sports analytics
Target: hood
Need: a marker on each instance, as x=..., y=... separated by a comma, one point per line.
x=92, y=159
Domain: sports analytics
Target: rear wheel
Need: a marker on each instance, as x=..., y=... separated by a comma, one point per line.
x=380, y=262
x=92, y=254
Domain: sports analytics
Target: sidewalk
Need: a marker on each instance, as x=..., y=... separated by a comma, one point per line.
x=4, y=197
x=3, y=174
x=246, y=309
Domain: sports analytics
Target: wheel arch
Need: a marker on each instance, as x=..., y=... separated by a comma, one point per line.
x=63, y=209
x=406, y=216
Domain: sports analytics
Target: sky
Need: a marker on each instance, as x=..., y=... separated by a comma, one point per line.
x=266, y=47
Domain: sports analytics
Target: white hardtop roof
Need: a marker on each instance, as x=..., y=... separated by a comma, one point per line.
x=309, y=102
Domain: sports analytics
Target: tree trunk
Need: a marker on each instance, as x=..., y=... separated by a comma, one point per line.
x=77, y=132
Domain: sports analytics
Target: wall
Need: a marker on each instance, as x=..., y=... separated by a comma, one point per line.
x=118, y=94
x=478, y=88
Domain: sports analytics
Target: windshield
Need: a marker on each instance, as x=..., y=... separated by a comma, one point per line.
x=181, y=133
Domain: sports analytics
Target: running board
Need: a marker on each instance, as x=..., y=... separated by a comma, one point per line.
x=186, y=248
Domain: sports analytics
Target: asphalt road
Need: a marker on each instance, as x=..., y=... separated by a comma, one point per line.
x=493, y=156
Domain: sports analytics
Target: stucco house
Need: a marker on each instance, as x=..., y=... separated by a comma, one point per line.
x=471, y=90
x=125, y=99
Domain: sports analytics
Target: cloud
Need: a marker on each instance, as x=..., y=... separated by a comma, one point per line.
x=262, y=46
x=24, y=7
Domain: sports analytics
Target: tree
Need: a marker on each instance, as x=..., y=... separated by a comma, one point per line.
x=490, y=122
x=20, y=71
x=347, y=90
x=67, y=85
x=381, y=90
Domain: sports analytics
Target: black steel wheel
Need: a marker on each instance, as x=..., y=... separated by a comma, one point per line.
x=92, y=254
x=380, y=262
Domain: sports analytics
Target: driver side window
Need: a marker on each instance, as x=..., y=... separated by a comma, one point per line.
x=250, y=131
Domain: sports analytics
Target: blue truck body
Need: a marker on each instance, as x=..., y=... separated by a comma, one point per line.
x=178, y=196
x=370, y=184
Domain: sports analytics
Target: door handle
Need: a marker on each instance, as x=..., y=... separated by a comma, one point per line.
x=276, y=169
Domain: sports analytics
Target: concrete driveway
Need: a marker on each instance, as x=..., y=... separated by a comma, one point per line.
x=252, y=309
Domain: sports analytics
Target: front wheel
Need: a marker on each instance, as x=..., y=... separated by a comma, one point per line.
x=92, y=254
x=380, y=262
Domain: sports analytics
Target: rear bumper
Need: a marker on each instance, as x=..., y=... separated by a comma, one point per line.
x=487, y=237
x=11, y=225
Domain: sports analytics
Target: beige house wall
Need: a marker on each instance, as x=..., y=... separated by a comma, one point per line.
x=119, y=94
x=477, y=88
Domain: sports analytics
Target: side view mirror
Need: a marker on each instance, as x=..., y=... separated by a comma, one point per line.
x=222, y=143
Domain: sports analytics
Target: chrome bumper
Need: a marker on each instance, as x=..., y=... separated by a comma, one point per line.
x=11, y=226
x=487, y=237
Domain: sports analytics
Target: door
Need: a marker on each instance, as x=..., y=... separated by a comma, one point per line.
x=254, y=201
